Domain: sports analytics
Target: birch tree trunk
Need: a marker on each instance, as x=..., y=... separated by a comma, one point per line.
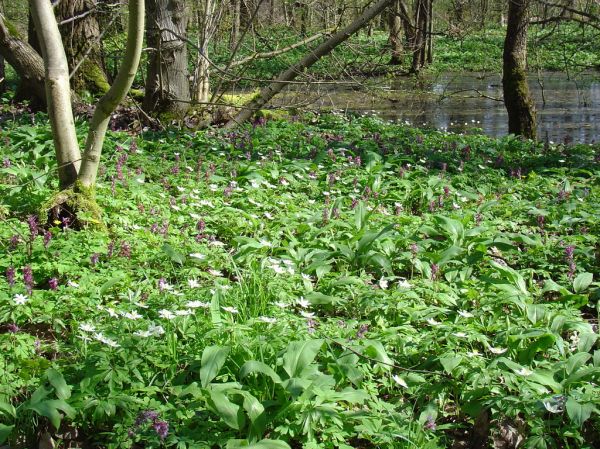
x=517, y=99
x=168, y=76
x=308, y=60
x=58, y=92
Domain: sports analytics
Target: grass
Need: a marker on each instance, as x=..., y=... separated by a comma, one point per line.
x=319, y=283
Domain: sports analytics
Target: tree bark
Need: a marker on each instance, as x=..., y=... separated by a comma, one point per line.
x=58, y=92
x=207, y=21
x=27, y=63
x=168, y=76
x=308, y=60
x=80, y=33
x=115, y=95
x=236, y=13
x=395, y=37
x=517, y=98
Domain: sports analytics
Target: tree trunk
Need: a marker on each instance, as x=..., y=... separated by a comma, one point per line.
x=2, y=76
x=395, y=37
x=307, y=61
x=58, y=92
x=207, y=21
x=27, y=63
x=517, y=99
x=422, y=18
x=236, y=13
x=115, y=95
x=168, y=77
x=80, y=33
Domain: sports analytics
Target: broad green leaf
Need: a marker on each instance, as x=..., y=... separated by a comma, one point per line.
x=576, y=361
x=317, y=298
x=109, y=284
x=450, y=362
x=213, y=359
x=262, y=444
x=254, y=366
x=56, y=379
x=300, y=354
x=579, y=413
x=227, y=410
x=5, y=432
x=375, y=350
x=175, y=255
x=582, y=282
x=587, y=340
x=8, y=409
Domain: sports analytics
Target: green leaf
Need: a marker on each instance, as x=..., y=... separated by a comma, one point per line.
x=576, y=361
x=109, y=284
x=375, y=350
x=450, y=362
x=300, y=354
x=262, y=444
x=213, y=359
x=56, y=379
x=316, y=298
x=5, y=432
x=8, y=409
x=227, y=410
x=254, y=366
x=175, y=255
x=579, y=413
x=582, y=282
x=50, y=409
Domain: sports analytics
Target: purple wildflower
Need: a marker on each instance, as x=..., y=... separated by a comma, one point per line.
x=53, y=284
x=201, y=225
x=10, y=276
x=12, y=328
x=435, y=271
x=430, y=423
x=414, y=249
x=6, y=162
x=125, y=250
x=14, y=241
x=33, y=227
x=569, y=256
x=362, y=330
x=94, y=258
x=161, y=428
x=28, y=278
x=47, y=238
x=541, y=220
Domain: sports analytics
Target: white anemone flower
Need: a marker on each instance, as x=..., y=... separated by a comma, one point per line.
x=400, y=381
x=193, y=283
x=196, y=304
x=230, y=309
x=87, y=327
x=164, y=313
x=497, y=350
x=20, y=299
x=266, y=319
x=304, y=303
x=465, y=314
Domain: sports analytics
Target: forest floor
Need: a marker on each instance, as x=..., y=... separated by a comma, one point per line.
x=323, y=282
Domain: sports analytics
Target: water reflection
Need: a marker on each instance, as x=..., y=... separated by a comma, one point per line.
x=568, y=107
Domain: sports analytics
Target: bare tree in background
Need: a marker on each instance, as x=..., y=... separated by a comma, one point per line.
x=208, y=15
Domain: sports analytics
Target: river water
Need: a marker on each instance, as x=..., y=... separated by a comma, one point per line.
x=568, y=106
